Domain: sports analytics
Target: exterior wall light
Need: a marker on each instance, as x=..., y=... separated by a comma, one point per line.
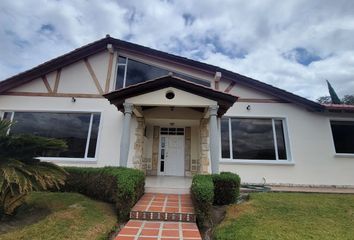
x=248, y=107
x=170, y=95
x=73, y=99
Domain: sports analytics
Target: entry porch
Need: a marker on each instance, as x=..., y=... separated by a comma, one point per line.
x=172, y=125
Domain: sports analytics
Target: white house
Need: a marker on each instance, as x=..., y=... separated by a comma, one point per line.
x=118, y=103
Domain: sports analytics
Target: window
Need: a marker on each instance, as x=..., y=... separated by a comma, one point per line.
x=78, y=130
x=131, y=72
x=253, y=139
x=172, y=131
x=343, y=136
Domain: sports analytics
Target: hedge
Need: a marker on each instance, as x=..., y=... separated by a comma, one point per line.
x=202, y=191
x=217, y=189
x=226, y=188
x=118, y=185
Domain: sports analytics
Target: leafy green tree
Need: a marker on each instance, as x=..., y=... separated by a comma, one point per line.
x=21, y=172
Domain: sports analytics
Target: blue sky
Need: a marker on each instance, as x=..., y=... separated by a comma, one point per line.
x=293, y=44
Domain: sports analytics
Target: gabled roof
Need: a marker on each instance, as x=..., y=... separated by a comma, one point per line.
x=101, y=44
x=224, y=100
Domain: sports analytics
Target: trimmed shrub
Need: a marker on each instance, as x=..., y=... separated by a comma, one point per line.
x=217, y=189
x=202, y=192
x=122, y=186
x=226, y=188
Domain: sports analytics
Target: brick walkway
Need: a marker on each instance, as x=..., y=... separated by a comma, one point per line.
x=161, y=216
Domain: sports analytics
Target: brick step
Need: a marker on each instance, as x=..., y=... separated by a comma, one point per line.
x=164, y=207
x=159, y=230
x=163, y=216
x=168, y=190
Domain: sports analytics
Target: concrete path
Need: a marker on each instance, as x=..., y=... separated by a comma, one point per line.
x=313, y=190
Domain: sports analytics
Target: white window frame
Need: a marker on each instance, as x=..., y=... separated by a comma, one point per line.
x=148, y=63
x=277, y=161
x=85, y=159
x=343, y=155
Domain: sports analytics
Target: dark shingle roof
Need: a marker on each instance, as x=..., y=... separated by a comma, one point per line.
x=97, y=46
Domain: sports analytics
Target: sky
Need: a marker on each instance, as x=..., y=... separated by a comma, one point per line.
x=291, y=44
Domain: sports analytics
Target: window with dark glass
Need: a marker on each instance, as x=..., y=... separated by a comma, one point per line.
x=130, y=72
x=253, y=139
x=225, y=138
x=78, y=130
x=343, y=136
x=7, y=116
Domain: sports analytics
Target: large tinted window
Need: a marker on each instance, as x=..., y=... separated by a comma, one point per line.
x=131, y=72
x=139, y=72
x=343, y=136
x=253, y=139
x=73, y=128
x=225, y=138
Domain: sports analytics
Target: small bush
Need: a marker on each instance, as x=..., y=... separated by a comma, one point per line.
x=202, y=192
x=226, y=188
x=122, y=186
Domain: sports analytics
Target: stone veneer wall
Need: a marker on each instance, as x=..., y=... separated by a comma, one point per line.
x=138, y=160
x=155, y=151
x=187, y=151
x=203, y=166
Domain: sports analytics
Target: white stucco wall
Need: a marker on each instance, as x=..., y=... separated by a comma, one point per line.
x=110, y=126
x=182, y=98
x=313, y=159
x=75, y=79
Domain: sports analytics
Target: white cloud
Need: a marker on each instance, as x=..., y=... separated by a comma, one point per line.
x=250, y=37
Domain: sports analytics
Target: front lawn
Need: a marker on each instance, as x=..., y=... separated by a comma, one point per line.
x=60, y=216
x=289, y=216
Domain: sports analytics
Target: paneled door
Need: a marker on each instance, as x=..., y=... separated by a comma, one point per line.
x=171, y=160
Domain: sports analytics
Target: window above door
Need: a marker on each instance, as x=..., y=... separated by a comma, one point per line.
x=130, y=72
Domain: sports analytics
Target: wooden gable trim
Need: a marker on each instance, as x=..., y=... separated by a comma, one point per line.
x=46, y=83
x=109, y=72
x=33, y=94
x=230, y=87
x=57, y=79
x=224, y=100
x=93, y=76
x=260, y=100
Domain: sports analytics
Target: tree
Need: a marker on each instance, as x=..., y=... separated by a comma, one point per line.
x=324, y=100
x=347, y=99
x=21, y=172
x=333, y=94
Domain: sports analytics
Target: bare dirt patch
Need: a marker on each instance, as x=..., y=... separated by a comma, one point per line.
x=26, y=215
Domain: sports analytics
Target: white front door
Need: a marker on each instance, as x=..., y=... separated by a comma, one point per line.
x=172, y=152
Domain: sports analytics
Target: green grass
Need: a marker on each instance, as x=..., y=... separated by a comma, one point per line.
x=71, y=216
x=289, y=216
